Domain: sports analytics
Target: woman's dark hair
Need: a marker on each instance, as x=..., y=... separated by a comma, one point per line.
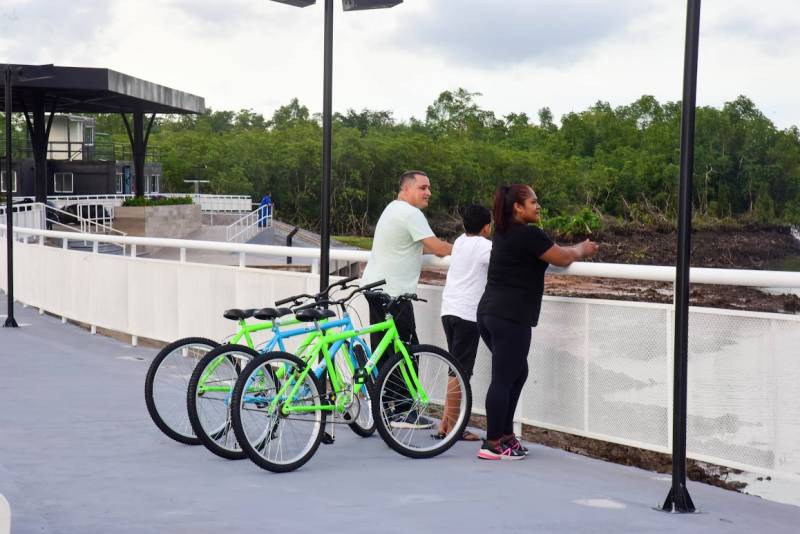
x=475, y=217
x=503, y=208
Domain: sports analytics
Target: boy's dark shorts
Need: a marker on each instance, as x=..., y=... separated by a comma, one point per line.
x=462, y=341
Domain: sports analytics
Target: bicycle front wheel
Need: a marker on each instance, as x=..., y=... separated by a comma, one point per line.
x=276, y=412
x=410, y=415
x=166, y=383
x=208, y=398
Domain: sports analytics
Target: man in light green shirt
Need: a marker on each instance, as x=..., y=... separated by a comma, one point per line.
x=401, y=236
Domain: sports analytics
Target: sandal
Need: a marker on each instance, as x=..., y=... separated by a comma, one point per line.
x=469, y=436
x=465, y=436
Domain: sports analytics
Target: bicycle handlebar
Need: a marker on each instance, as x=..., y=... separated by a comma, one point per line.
x=373, y=285
x=339, y=302
x=319, y=296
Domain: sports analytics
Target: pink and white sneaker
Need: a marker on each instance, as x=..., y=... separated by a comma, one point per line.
x=500, y=451
x=515, y=444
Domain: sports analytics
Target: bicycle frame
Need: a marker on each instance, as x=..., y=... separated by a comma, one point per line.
x=312, y=332
x=326, y=345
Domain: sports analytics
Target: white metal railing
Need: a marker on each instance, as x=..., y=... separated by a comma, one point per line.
x=599, y=368
x=36, y=215
x=208, y=203
x=27, y=215
x=40, y=217
x=247, y=227
x=216, y=203
x=698, y=275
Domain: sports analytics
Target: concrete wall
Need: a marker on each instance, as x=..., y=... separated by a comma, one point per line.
x=158, y=221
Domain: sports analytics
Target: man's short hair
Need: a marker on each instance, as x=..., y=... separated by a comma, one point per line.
x=475, y=217
x=409, y=176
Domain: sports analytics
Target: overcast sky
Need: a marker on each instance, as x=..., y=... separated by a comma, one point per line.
x=521, y=55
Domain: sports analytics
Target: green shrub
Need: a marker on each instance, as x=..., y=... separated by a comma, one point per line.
x=172, y=201
x=585, y=222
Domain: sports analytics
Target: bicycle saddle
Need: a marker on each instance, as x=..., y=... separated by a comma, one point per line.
x=269, y=314
x=314, y=314
x=235, y=314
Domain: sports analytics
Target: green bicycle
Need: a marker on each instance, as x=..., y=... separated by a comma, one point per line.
x=280, y=404
x=169, y=373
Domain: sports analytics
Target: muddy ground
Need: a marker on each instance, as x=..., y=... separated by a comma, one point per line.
x=756, y=248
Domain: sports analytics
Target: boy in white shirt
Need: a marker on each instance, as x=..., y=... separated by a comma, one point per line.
x=466, y=280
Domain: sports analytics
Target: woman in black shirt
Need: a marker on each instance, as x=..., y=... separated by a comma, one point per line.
x=510, y=307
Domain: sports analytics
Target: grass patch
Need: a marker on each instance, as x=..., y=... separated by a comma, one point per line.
x=355, y=241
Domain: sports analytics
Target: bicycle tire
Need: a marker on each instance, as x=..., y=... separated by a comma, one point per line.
x=253, y=436
x=173, y=420
x=209, y=411
x=432, y=364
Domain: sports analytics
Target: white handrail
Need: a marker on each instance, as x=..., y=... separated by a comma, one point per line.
x=207, y=203
x=84, y=223
x=698, y=275
x=246, y=227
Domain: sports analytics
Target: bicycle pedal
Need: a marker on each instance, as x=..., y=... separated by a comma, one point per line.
x=327, y=439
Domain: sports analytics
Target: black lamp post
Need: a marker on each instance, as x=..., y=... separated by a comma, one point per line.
x=12, y=73
x=678, y=499
x=8, y=74
x=327, y=88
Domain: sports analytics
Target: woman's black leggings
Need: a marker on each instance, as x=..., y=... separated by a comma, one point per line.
x=510, y=343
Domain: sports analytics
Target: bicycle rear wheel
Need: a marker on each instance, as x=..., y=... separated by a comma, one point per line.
x=209, y=395
x=272, y=438
x=166, y=383
x=407, y=421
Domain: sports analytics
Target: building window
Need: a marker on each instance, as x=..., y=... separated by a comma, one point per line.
x=63, y=182
x=88, y=135
x=3, y=182
x=154, y=183
x=119, y=183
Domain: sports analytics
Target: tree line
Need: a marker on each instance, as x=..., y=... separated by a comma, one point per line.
x=604, y=162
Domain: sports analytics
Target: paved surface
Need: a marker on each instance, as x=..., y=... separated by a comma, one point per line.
x=79, y=454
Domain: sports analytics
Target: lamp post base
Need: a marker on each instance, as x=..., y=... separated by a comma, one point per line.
x=678, y=502
x=10, y=323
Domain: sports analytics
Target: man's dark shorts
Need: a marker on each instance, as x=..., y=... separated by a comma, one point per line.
x=462, y=341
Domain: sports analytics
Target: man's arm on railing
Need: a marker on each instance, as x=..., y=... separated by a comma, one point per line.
x=434, y=245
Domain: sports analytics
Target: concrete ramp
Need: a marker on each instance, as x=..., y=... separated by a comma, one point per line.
x=266, y=236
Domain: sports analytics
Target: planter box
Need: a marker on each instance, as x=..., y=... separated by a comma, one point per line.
x=176, y=221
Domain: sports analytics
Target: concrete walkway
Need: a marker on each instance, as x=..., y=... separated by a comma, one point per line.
x=79, y=454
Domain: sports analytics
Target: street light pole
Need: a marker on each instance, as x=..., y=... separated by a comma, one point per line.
x=327, y=142
x=678, y=499
x=10, y=321
x=327, y=126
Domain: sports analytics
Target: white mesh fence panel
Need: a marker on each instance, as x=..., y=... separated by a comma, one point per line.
x=744, y=401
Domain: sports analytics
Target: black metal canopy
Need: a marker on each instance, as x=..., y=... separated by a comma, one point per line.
x=40, y=89
x=95, y=90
